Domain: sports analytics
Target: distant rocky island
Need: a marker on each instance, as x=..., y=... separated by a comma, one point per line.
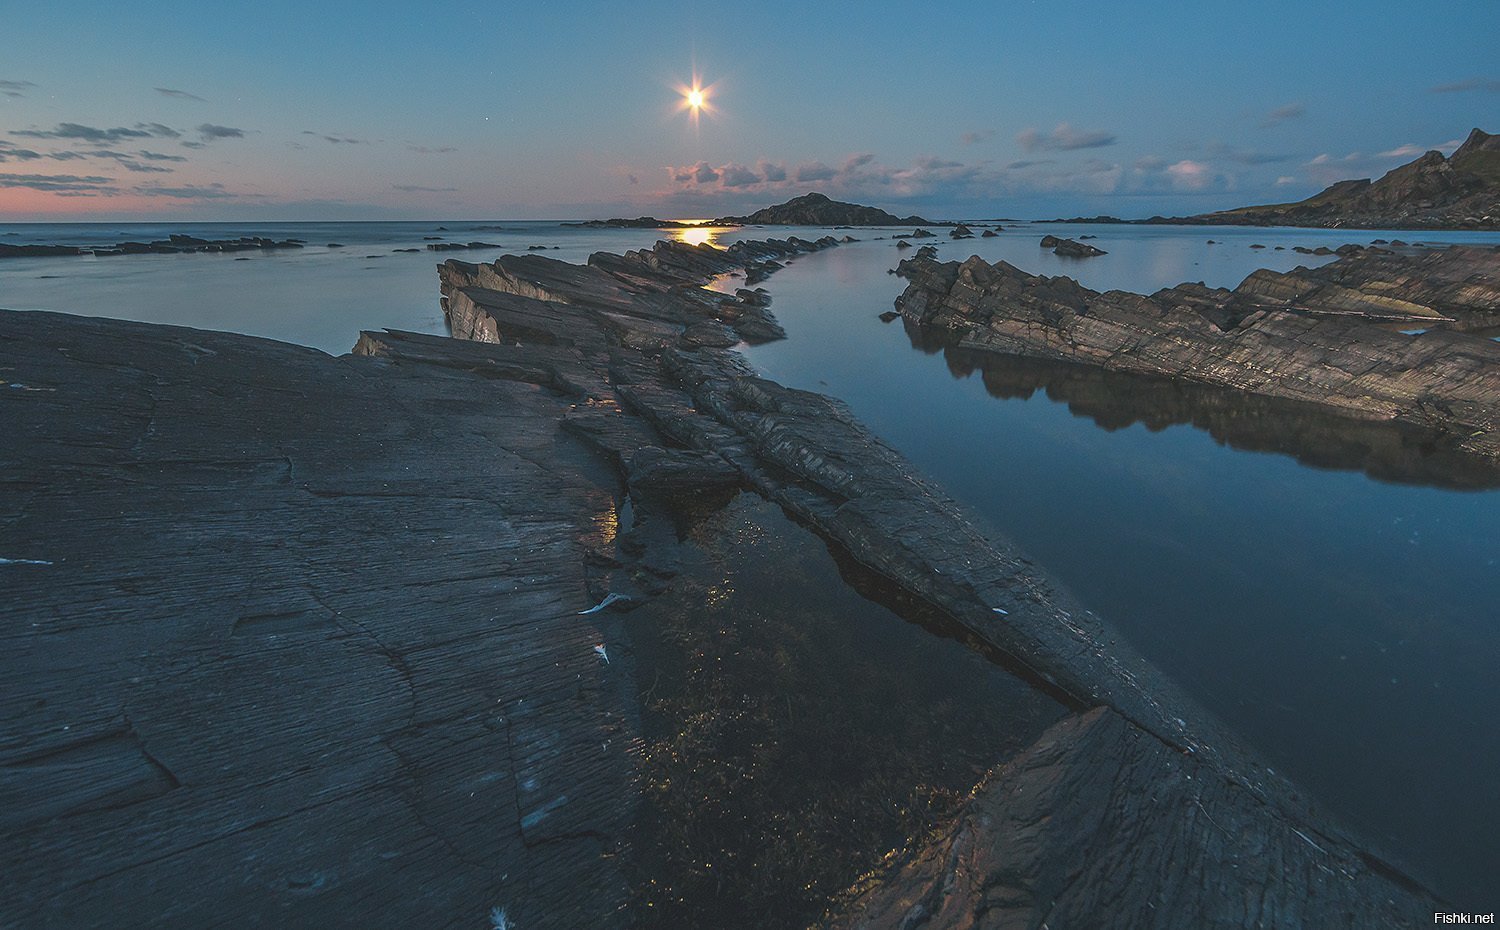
x=640, y=222
x=816, y=209
x=812, y=209
x=1461, y=191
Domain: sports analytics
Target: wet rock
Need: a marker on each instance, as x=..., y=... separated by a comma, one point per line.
x=989, y=234
x=961, y=232
x=456, y=246
x=1070, y=248
x=37, y=251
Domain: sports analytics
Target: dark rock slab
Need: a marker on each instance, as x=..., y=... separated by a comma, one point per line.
x=1055, y=838
x=299, y=642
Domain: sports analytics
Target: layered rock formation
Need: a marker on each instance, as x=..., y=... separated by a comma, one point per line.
x=1247, y=848
x=646, y=298
x=1328, y=336
x=817, y=210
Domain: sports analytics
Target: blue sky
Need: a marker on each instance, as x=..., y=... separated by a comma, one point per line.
x=274, y=110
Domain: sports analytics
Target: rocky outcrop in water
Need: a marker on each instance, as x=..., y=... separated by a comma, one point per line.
x=459, y=246
x=817, y=210
x=806, y=452
x=1326, y=336
x=1070, y=248
x=172, y=245
x=646, y=298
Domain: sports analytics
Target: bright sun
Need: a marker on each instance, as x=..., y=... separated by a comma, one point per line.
x=695, y=99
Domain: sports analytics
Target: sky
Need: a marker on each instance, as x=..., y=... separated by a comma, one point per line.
x=425, y=110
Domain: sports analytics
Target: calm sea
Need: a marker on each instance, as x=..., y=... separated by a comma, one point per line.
x=1329, y=591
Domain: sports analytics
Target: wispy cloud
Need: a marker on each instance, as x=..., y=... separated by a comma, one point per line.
x=62, y=183
x=178, y=94
x=97, y=136
x=773, y=172
x=336, y=140
x=9, y=151
x=1283, y=113
x=1063, y=138
x=1403, y=151
x=424, y=190
x=814, y=171
x=976, y=137
x=1485, y=85
x=427, y=150
x=208, y=132
x=187, y=192
x=15, y=88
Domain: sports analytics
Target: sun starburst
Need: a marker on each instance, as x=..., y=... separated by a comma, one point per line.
x=695, y=98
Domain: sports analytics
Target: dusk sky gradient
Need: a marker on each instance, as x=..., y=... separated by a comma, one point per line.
x=294, y=111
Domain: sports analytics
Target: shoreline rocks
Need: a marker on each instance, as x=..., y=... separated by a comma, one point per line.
x=1310, y=335
x=172, y=245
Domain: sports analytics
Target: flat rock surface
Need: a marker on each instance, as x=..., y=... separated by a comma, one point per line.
x=302, y=646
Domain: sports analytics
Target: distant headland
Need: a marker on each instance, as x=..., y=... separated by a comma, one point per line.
x=1461, y=191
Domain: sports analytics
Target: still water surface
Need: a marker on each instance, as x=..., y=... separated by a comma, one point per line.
x=1328, y=590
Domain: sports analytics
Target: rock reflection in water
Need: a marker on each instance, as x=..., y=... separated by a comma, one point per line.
x=797, y=732
x=1248, y=422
